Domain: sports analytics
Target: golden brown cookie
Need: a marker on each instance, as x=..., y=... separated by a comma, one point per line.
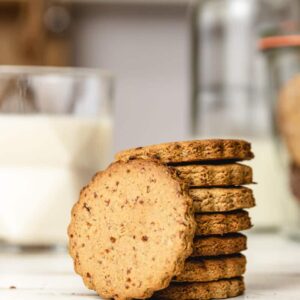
x=215, y=175
x=219, y=245
x=221, y=199
x=222, y=223
x=189, y=151
x=289, y=116
x=220, y=289
x=131, y=230
x=210, y=269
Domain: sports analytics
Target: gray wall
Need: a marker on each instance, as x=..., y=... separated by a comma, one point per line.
x=147, y=47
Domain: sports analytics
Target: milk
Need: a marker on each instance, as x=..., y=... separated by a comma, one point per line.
x=272, y=190
x=44, y=162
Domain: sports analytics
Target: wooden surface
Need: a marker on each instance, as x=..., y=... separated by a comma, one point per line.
x=273, y=273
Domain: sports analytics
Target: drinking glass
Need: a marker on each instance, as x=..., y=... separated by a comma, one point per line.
x=282, y=54
x=55, y=134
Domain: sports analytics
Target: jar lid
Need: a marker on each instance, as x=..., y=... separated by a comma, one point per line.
x=280, y=41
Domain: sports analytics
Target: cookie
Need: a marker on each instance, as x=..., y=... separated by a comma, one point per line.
x=215, y=175
x=221, y=199
x=220, y=289
x=295, y=180
x=219, y=245
x=222, y=223
x=288, y=111
x=191, y=151
x=210, y=269
x=133, y=218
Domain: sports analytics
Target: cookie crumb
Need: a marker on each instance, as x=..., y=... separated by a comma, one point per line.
x=144, y=238
x=12, y=287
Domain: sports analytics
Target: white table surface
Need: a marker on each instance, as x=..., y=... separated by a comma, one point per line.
x=273, y=272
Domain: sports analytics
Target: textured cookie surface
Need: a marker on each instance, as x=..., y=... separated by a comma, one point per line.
x=215, y=175
x=203, y=290
x=289, y=116
x=222, y=223
x=189, y=151
x=209, y=269
x=221, y=199
x=219, y=245
x=133, y=218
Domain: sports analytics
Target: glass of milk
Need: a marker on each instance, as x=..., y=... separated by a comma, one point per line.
x=282, y=53
x=55, y=134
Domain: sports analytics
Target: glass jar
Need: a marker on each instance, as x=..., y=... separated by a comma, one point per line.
x=230, y=95
x=282, y=54
x=55, y=134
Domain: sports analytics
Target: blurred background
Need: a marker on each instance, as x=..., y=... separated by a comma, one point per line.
x=139, y=72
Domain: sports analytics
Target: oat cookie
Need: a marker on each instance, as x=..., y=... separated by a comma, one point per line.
x=210, y=269
x=189, y=151
x=133, y=218
x=222, y=223
x=219, y=245
x=288, y=116
x=215, y=175
x=221, y=199
x=220, y=289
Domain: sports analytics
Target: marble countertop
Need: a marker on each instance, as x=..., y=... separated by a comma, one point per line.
x=273, y=272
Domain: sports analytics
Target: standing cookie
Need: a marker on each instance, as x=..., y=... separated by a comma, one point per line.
x=131, y=230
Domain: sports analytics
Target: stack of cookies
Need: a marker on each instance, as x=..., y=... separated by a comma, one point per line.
x=215, y=182
x=164, y=221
